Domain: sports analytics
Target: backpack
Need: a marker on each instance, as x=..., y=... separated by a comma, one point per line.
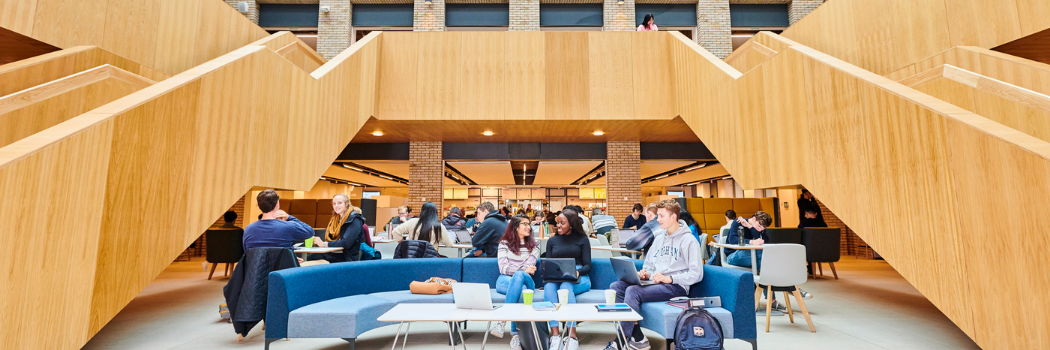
x=697, y=329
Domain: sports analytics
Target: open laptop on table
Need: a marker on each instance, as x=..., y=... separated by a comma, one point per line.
x=462, y=236
x=626, y=235
x=625, y=271
x=473, y=296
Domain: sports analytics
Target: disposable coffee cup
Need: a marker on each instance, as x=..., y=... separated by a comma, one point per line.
x=309, y=242
x=563, y=296
x=527, y=295
x=610, y=296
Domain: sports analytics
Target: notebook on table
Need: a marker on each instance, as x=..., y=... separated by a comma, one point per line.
x=612, y=307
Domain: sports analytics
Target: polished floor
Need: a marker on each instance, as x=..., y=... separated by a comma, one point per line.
x=869, y=307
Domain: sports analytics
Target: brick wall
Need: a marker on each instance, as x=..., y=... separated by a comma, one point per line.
x=429, y=17
x=238, y=208
x=524, y=15
x=618, y=17
x=426, y=173
x=623, y=174
x=800, y=8
x=713, y=27
x=852, y=245
x=333, y=28
x=253, y=9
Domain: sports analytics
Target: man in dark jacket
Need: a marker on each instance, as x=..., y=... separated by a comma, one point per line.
x=805, y=202
x=246, y=290
x=486, y=239
x=454, y=221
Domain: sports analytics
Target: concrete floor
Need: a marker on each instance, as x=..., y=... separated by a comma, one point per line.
x=869, y=307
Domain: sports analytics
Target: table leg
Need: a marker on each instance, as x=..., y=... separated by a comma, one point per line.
x=451, y=340
x=405, y=340
x=486, y=338
x=459, y=330
x=754, y=269
x=396, y=335
x=536, y=334
x=621, y=331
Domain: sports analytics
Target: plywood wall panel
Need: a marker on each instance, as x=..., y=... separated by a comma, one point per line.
x=124, y=17
x=525, y=74
x=568, y=73
x=611, y=75
x=438, y=83
x=178, y=25
x=481, y=94
x=67, y=23
x=983, y=23
x=18, y=15
x=398, y=76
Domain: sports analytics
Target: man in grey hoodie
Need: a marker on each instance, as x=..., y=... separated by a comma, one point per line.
x=673, y=263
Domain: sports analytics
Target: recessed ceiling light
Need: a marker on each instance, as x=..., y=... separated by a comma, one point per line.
x=599, y=133
x=377, y=133
x=488, y=133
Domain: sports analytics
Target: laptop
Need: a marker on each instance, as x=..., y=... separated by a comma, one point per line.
x=559, y=270
x=462, y=236
x=472, y=296
x=626, y=235
x=625, y=271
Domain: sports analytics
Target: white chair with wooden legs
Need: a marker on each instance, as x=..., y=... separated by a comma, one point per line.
x=784, y=266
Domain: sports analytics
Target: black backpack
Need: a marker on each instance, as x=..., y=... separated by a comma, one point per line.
x=697, y=329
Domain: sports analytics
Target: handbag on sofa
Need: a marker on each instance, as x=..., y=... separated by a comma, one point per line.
x=432, y=286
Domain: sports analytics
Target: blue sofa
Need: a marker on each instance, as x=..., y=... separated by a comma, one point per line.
x=343, y=300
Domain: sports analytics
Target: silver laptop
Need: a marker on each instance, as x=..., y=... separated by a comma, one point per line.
x=626, y=235
x=473, y=296
x=625, y=271
x=462, y=236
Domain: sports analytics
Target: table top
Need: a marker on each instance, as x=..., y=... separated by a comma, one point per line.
x=317, y=250
x=568, y=312
x=613, y=249
x=508, y=312
x=424, y=312
x=739, y=247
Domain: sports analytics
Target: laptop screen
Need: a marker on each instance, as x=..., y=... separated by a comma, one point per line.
x=626, y=235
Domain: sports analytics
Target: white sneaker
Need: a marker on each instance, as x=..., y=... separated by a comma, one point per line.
x=497, y=329
x=638, y=345
x=572, y=344
x=805, y=294
x=515, y=343
x=554, y=342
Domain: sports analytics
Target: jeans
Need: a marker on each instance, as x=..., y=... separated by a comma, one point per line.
x=743, y=258
x=550, y=293
x=634, y=295
x=512, y=287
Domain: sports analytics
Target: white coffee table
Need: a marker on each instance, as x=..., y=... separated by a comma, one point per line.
x=408, y=313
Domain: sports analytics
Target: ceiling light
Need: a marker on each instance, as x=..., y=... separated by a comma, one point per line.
x=662, y=177
x=696, y=167
x=599, y=132
x=385, y=177
x=377, y=133
x=488, y=133
x=727, y=178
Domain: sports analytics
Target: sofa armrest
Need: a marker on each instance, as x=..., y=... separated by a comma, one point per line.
x=737, y=290
x=291, y=289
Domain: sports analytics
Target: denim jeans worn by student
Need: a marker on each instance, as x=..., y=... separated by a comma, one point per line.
x=743, y=258
x=512, y=286
x=634, y=295
x=550, y=292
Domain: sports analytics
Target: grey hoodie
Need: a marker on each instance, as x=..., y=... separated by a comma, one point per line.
x=676, y=255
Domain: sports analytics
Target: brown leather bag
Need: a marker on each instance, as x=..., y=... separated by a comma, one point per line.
x=432, y=286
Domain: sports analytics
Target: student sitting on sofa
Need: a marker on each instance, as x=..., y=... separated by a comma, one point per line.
x=275, y=228
x=486, y=239
x=345, y=229
x=518, y=253
x=673, y=263
x=427, y=227
x=570, y=242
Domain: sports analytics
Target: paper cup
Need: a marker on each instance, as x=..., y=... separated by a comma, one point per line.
x=610, y=296
x=527, y=296
x=309, y=242
x=563, y=296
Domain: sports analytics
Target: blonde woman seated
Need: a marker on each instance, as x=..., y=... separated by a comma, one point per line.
x=427, y=227
x=345, y=230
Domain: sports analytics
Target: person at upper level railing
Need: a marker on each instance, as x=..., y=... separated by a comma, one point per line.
x=648, y=24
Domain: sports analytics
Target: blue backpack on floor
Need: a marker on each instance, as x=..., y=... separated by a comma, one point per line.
x=697, y=329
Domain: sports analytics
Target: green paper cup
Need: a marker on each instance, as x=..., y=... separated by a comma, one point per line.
x=527, y=295
x=309, y=242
